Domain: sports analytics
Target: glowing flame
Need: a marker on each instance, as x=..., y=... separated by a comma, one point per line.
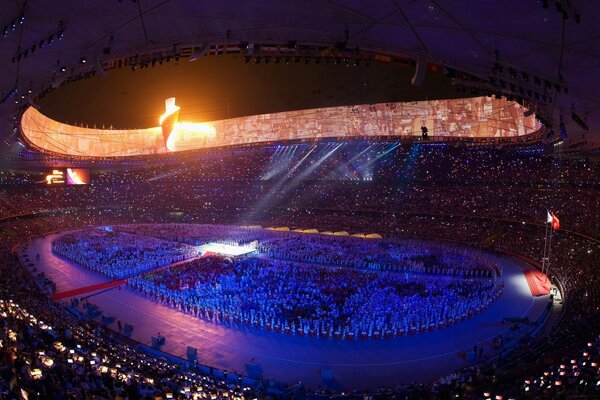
x=180, y=135
x=171, y=108
x=186, y=132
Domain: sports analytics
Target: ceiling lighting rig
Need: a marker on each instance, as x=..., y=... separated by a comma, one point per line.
x=48, y=40
x=292, y=52
x=16, y=21
x=11, y=94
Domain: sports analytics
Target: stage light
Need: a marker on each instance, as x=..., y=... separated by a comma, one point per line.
x=83, y=60
x=63, y=69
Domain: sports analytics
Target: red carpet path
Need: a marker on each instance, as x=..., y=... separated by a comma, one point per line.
x=87, y=289
x=538, y=282
x=106, y=285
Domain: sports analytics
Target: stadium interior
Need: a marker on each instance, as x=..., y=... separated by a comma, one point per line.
x=304, y=199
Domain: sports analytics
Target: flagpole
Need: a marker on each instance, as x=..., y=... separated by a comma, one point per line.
x=545, y=253
x=549, y=250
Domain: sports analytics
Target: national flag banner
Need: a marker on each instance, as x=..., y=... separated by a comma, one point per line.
x=186, y=51
x=434, y=69
x=269, y=49
x=110, y=64
x=555, y=223
x=285, y=49
x=232, y=48
x=383, y=58
x=549, y=218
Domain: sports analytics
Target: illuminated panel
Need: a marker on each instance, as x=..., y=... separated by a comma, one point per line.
x=478, y=117
x=77, y=176
x=56, y=137
x=226, y=249
x=56, y=177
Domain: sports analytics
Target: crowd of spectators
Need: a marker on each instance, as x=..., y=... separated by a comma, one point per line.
x=479, y=196
x=343, y=287
x=438, y=179
x=49, y=353
x=117, y=254
x=578, y=327
x=317, y=300
x=198, y=234
x=380, y=255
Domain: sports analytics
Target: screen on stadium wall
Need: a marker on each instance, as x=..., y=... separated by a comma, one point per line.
x=478, y=117
x=69, y=176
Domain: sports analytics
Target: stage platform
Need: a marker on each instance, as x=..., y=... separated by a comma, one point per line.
x=226, y=249
x=284, y=358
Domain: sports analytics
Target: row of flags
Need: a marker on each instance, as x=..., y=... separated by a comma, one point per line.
x=553, y=220
x=276, y=49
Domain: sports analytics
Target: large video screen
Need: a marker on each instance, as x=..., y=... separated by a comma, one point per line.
x=78, y=176
x=477, y=117
x=68, y=176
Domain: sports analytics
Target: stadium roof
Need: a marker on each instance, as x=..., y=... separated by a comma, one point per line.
x=506, y=40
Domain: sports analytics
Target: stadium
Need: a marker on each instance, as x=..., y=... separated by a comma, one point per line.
x=299, y=200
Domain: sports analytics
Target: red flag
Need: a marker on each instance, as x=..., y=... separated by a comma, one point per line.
x=555, y=223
